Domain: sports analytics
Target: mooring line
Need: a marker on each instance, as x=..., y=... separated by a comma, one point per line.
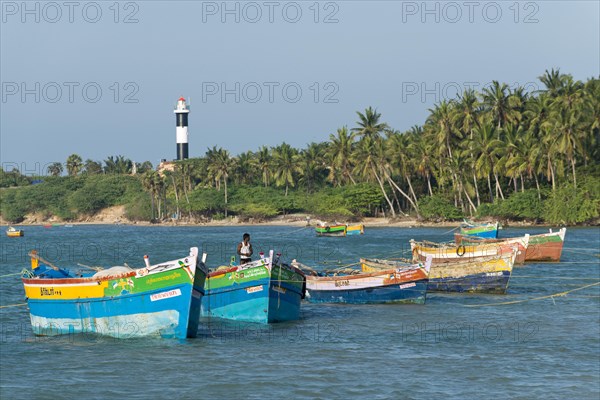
x=14, y=305
x=551, y=296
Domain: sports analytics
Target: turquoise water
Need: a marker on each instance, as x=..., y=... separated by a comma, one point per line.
x=546, y=348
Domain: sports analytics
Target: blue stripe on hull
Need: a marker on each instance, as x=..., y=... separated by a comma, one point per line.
x=481, y=283
x=264, y=306
x=382, y=294
x=129, y=315
x=487, y=234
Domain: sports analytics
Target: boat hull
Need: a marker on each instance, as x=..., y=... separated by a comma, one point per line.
x=459, y=254
x=137, y=304
x=262, y=294
x=522, y=244
x=490, y=275
x=331, y=230
x=355, y=230
x=384, y=286
x=488, y=231
x=15, y=233
x=382, y=294
x=546, y=247
x=485, y=275
x=491, y=283
x=125, y=317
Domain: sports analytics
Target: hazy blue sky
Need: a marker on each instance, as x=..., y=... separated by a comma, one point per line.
x=400, y=57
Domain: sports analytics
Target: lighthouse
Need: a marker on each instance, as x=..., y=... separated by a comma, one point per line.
x=181, y=129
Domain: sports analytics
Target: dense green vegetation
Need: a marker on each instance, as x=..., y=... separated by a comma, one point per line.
x=502, y=153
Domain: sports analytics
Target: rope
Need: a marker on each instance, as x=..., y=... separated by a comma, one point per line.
x=553, y=277
x=14, y=305
x=285, y=234
x=578, y=249
x=16, y=273
x=551, y=296
x=451, y=230
x=97, y=269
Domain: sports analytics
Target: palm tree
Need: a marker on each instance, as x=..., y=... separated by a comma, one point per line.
x=148, y=184
x=591, y=111
x=173, y=176
x=221, y=165
x=465, y=118
x=553, y=82
x=401, y=163
x=74, y=164
x=310, y=165
x=369, y=158
x=440, y=124
x=285, y=164
x=154, y=183
x=422, y=150
x=265, y=164
x=245, y=168
x=55, y=169
x=537, y=112
x=565, y=131
x=92, y=167
x=496, y=102
x=143, y=167
x=486, y=148
x=339, y=156
x=368, y=124
x=511, y=160
x=118, y=165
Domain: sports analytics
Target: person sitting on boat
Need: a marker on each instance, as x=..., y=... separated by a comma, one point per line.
x=244, y=249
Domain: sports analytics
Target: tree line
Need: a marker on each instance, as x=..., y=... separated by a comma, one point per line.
x=471, y=156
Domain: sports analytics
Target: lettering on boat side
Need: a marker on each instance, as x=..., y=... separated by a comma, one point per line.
x=165, y=295
x=254, y=289
x=494, y=273
x=342, y=283
x=279, y=289
x=174, y=275
x=50, y=292
x=408, y=285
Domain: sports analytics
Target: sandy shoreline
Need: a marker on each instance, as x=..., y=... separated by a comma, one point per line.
x=115, y=216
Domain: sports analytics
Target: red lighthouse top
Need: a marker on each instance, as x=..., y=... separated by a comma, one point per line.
x=181, y=99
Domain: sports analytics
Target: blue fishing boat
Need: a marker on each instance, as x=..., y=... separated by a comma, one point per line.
x=485, y=230
x=162, y=299
x=263, y=291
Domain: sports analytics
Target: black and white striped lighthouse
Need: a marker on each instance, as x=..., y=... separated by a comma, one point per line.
x=181, y=116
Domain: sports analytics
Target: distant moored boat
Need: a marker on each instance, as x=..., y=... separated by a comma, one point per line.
x=339, y=230
x=12, y=232
x=486, y=230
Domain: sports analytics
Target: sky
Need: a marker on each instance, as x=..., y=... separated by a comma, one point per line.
x=101, y=78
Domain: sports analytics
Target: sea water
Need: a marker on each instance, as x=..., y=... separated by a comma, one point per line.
x=541, y=340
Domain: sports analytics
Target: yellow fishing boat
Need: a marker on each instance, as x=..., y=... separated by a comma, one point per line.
x=12, y=232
